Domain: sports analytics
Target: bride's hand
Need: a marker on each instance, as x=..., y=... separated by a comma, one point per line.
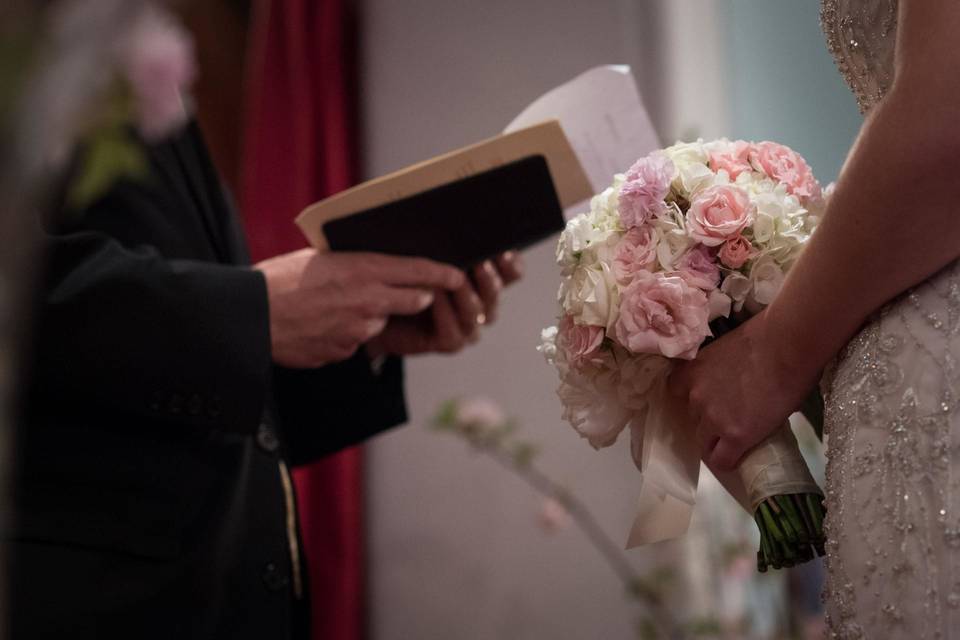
x=740, y=389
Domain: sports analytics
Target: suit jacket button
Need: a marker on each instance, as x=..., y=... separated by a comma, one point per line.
x=267, y=439
x=194, y=405
x=214, y=408
x=175, y=405
x=273, y=579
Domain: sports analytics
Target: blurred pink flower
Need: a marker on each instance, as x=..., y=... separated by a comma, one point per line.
x=553, y=516
x=647, y=184
x=158, y=63
x=480, y=412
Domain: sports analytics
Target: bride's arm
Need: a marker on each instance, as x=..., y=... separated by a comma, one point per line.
x=893, y=221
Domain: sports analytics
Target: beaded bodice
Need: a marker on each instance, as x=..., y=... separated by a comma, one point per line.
x=861, y=36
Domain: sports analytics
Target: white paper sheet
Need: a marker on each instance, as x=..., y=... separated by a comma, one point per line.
x=604, y=119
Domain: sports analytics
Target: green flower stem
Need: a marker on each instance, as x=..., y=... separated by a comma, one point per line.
x=791, y=530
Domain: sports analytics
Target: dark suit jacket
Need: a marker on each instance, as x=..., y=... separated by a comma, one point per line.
x=148, y=501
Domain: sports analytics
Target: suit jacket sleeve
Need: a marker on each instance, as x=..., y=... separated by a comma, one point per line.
x=176, y=340
x=327, y=409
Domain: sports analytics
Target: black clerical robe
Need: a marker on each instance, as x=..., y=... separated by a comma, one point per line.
x=151, y=499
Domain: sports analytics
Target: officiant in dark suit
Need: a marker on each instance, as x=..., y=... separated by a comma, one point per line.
x=173, y=386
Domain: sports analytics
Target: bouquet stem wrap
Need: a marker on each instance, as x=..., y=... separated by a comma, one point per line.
x=666, y=452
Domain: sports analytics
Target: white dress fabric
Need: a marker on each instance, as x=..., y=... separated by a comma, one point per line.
x=892, y=419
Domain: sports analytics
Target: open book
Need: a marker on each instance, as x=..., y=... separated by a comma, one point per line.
x=502, y=193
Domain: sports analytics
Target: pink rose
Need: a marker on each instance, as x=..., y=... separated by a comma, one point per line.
x=787, y=166
x=579, y=343
x=159, y=66
x=719, y=213
x=735, y=160
x=662, y=314
x=735, y=252
x=636, y=251
x=647, y=184
x=698, y=267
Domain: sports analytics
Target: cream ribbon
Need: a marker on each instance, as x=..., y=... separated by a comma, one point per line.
x=665, y=450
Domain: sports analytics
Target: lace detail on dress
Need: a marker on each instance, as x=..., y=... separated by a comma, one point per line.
x=861, y=37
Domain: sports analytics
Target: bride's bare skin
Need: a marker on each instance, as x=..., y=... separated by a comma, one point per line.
x=893, y=221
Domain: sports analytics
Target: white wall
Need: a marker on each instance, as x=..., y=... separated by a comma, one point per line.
x=455, y=551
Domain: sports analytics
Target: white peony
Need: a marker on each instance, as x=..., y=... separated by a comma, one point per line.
x=674, y=241
x=591, y=403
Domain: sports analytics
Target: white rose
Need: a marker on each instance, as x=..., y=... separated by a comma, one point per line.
x=688, y=153
x=674, y=242
x=591, y=296
x=694, y=178
x=766, y=278
x=738, y=287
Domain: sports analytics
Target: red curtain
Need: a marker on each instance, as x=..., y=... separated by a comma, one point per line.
x=299, y=146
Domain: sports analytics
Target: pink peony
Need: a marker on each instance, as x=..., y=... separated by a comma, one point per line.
x=719, y=213
x=159, y=66
x=735, y=160
x=647, y=184
x=662, y=314
x=636, y=251
x=787, y=166
x=735, y=252
x=698, y=267
x=579, y=343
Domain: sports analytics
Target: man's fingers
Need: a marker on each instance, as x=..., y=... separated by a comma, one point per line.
x=510, y=266
x=489, y=284
x=446, y=325
x=413, y=272
x=469, y=310
x=377, y=301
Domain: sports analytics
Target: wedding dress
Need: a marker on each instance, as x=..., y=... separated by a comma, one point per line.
x=893, y=419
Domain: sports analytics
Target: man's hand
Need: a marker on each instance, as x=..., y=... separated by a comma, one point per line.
x=455, y=318
x=323, y=306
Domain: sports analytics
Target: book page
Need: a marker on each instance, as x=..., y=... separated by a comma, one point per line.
x=604, y=119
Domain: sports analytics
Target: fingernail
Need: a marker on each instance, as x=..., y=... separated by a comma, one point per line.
x=425, y=300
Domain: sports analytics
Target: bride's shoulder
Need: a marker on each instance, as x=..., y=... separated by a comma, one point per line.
x=861, y=36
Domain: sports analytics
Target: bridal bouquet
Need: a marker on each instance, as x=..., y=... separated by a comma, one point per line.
x=689, y=241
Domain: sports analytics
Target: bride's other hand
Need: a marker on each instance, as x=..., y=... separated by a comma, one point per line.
x=740, y=389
